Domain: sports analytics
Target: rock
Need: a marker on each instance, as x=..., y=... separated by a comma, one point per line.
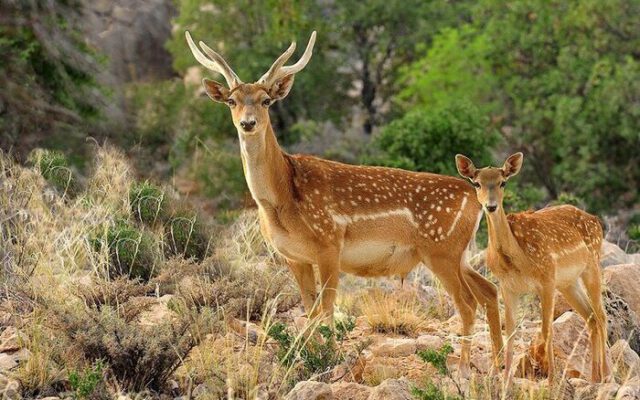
x=622, y=321
x=431, y=342
x=11, y=340
x=571, y=346
x=623, y=280
x=612, y=255
x=394, y=347
x=597, y=391
x=9, y=388
x=246, y=329
x=10, y=360
x=630, y=391
x=351, y=369
x=392, y=389
x=350, y=391
x=626, y=362
x=310, y=390
x=560, y=306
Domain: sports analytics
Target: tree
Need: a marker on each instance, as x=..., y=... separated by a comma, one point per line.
x=561, y=78
x=379, y=36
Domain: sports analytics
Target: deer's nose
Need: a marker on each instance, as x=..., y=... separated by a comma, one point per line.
x=492, y=208
x=248, y=125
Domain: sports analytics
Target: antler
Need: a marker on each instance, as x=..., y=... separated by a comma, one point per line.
x=278, y=71
x=214, y=62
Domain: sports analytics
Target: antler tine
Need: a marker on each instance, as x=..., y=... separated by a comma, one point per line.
x=281, y=71
x=278, y=63
x=218, y=64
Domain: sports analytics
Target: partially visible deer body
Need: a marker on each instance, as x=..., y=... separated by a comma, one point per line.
x=539, y=252
x=369, y=221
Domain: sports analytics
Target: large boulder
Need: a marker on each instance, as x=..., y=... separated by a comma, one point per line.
x=394, y=347
x=626, y=362
x=622, y=321
x=612, y=254
x=624, y=280
x=392, y=389
x=310, y=390
x=350, y=391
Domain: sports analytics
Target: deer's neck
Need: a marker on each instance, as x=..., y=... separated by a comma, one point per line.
x=501, y=238
x=265, y=167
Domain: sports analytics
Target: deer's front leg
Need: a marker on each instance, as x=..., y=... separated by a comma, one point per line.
x=511, y=302
x=547, y=298
x=329, y=268
x=305, y=278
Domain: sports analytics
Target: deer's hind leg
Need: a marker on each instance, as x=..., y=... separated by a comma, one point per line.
x=601, y=370
x=449, y=274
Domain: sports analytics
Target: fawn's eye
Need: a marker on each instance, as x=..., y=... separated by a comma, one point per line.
x=503, y=184
x=231, y=102
x=475, y=184
x=266, y=102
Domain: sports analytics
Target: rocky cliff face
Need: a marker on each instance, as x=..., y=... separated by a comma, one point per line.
x=132, y=34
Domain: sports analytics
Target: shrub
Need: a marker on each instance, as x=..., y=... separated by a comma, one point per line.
x=437, y=358
x=147, y=202
x=131, y=251
x=315, y=354
x=569, y=198
x=84, y=383
x=54, y=167
x=185, y=235
x=428, y=140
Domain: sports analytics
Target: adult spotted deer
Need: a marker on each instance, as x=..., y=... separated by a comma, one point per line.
x=369, y=221
x=539, y=252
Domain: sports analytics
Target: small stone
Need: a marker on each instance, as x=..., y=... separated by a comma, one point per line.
x=11, y=340
x=430, y=342
x=392, y=389
x=310, y=390
x=626, y=362
x=629, y=391
x=350, y=391
x=392, y=347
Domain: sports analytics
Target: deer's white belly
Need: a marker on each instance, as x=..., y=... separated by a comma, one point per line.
x=378, y=258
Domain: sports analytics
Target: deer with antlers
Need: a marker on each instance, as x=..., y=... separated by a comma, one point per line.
x=369, y=221
x=539, y=252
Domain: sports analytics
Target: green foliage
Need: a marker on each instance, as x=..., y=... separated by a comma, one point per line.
x=315, y=354
x=54, y=167
x=633, y=227
x=132, y=252
x=47, y=72
x=428, y=140
x=84, y=383
x=185, y=235
x=437, y=358
x=560, y=81
x=147, y=202
x=569, y=198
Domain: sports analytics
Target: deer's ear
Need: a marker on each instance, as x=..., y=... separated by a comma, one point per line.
x=465, y=166
x=280, y=89
x=215, y=90
x=512, y=165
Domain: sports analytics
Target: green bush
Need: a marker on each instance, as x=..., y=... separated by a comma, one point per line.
x=569, y=198
x=437, y=358
x=315, y=354
x=429, y=139
x=186, y=236
x=54, y=167
x=147, y=202
x=132, y=252
x=84, y=383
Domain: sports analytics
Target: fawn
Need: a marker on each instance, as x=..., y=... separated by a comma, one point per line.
x=538, y=252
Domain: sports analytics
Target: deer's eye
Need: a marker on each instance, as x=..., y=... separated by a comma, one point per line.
x=266, y=102
x=475, y=184
x=503, y=184
x=231, y=102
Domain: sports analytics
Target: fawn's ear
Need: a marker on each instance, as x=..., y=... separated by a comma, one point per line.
x=465, y=166
x=280, y=88
x=512, y=165
x=215, y=90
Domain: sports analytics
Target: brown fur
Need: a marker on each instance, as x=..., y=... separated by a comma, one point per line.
x=369, y=221
x=553, y=248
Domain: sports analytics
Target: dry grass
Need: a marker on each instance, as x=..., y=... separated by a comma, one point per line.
x=400, y=312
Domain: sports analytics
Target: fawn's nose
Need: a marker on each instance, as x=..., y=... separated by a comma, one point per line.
x=492, y=208
x=248, y=125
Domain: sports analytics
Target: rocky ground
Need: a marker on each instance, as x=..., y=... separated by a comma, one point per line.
x=205, y=326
